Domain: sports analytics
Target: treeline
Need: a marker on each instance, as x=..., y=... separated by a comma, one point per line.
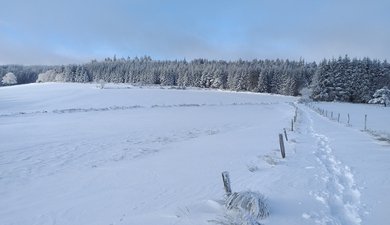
x=270, y=76
x=24, y=74
x=349, y=80
x=339, y=79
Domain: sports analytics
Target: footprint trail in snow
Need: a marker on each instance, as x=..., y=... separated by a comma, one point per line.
x=341, y=196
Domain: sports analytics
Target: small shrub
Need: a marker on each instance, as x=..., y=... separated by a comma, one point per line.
x=248, y=202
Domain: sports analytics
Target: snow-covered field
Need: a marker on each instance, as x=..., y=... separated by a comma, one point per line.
x=75, y=154
x=378, y=117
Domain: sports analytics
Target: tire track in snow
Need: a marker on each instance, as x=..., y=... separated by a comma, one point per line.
x=342, y=196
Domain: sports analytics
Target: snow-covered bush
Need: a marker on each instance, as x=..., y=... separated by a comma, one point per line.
x=381, y=96
x=50, y=76
x=101, y=84
x=249, y=202
x=245, y=208
x=9, y=79
x=46, y=76
x=305, y=95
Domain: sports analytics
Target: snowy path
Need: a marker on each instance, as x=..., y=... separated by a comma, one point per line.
x=343, y=174
x=340, y=197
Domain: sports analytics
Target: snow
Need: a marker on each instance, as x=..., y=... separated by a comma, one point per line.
x=355, y=166
x=377, y=116
x=77, y=154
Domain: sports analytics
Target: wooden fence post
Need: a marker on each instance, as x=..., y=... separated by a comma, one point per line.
x=348, y=119
x=282, y=150
x=292, y=125
x=365, y=122
x=331, y=115
x=295, y=116
x=285, y=134
x=226, y=183
x=338, y=118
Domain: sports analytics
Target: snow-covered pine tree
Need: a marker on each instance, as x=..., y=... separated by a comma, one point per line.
x=219, y=79
x=320, y=82
x=263, y=81
x=381, y=96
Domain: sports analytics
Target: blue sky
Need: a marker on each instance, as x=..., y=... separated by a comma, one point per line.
x=61, y=32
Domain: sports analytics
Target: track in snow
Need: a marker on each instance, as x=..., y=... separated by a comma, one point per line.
x=116, y=108
x=341, y=196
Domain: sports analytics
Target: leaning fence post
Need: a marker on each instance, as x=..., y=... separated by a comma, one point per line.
x=365, y=122
x=285, y=134
x=282, y=150
x=226, y=183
